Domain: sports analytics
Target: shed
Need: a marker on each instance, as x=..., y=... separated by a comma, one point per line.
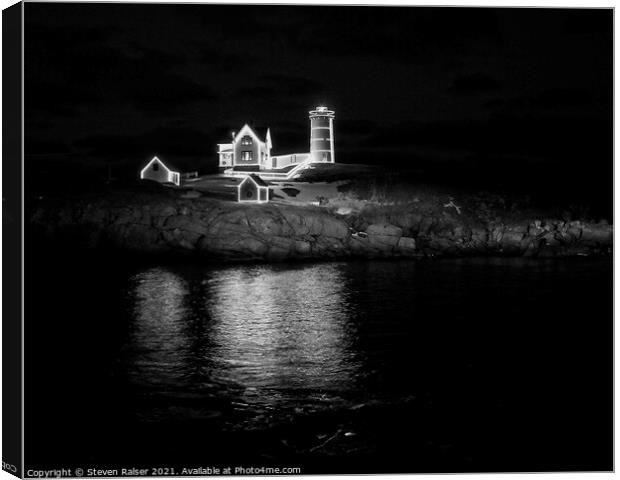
x=158, y=171
x=253, y=189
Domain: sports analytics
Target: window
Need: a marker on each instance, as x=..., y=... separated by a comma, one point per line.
x=156, y=167
x=324, y=156
x=246, y=140
x=246, y=156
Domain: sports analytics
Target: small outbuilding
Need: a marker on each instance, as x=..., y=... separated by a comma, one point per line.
x=156, y=170
x=253, y=189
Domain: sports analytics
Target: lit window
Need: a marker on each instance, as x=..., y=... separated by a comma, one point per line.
x=247, y=140
x=246, y=156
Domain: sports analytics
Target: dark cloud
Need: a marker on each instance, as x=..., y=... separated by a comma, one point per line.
x=541, y=136
x=47, y=148
x=419, y=35
x=551, y=100
x=166, y=140
x=65, y=67
x=413, y=34
x=588, y=22
x=276, y=85
x=223, y=59
x=474, y=83
x=81, y=66
x=165, y=93
x=561, y=98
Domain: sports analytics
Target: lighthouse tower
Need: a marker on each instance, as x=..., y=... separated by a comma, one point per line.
x=322, y=135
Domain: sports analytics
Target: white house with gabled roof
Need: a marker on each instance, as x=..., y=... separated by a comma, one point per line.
x=247, y=149
x=160, y=172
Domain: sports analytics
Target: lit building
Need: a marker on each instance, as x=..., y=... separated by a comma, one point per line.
x=253, y=189
x=322, y=135
x=248, y=152
x=158, y=171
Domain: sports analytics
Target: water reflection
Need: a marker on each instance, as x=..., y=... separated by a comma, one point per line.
x=283, y=329
x=274, y=333
x=157, y=339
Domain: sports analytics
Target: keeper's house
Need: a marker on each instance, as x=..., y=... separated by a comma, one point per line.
x=247, y=150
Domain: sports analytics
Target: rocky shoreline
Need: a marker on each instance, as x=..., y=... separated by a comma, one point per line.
x=218, y=230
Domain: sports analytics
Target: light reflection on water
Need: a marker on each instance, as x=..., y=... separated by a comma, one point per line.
x=282, y=329
x=272, y=333
x=157, y=335
x=260, y=341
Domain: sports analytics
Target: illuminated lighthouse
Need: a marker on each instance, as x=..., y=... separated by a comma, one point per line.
x=322, y=135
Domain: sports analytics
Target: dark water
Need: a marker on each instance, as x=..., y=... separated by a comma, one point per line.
x=436, y=365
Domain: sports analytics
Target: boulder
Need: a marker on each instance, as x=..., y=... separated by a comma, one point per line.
x=597, y=234
x=187, y=224
x=280, y=243
x=383, y=237
x=384, y=229
x=511, y=239
x=406, y=245
x=332, y=227
x=302, y=248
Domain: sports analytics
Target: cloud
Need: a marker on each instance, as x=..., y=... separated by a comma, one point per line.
x=63, y=67
x=414, y=34
x=474, y=83
x=534, y=135
x=588, y=22
x=224, y=59
x=165, y=140
x=46, y=147
x=551, y=100
x=561, y=98
x=279, y=85
x=72, y=68
x=166, y=92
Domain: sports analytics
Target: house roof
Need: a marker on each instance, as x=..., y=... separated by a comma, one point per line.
x=268, y=139
x=259, y=181
x=256, y=179
x=247, y=129
x=166, y=164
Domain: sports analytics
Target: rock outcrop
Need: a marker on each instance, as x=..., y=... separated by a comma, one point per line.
x=219, y=230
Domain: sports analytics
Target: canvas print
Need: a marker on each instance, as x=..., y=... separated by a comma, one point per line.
x=316, y=239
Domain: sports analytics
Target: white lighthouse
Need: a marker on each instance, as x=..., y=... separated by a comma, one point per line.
x=322, y=135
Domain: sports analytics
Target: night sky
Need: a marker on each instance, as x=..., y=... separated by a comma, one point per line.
x=490, y=96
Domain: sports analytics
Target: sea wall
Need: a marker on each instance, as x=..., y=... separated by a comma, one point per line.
x=219, y=230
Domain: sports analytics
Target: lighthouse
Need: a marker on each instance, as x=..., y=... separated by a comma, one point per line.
x=322, y=135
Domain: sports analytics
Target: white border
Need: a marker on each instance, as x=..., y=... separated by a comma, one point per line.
x=446, y=3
